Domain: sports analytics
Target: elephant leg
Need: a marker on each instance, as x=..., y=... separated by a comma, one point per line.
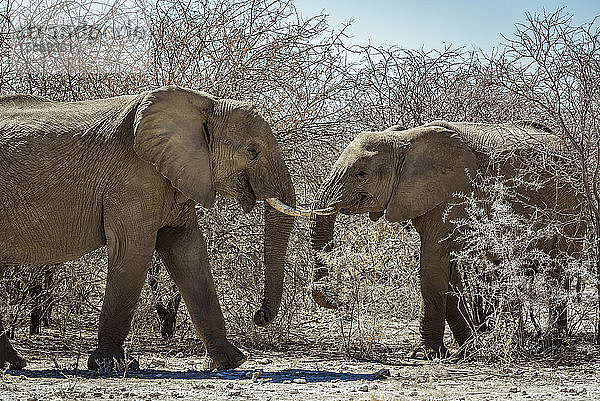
x=434, y=279
x=41, y=296
x=129, y=257
x=35, y=292
x=183, y=250
x=8, y=355
x=48, y=300
x=456, y=312
x=167, y=314
x=558, y=304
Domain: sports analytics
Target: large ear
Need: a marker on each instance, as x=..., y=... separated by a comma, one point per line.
x=170, y=132
x=435, y=166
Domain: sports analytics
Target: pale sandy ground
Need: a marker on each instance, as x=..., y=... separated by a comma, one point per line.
x=294, y=377
x=172, y=370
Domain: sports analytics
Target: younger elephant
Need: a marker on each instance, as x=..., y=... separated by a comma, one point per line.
x=413, y=175
x=126, y=172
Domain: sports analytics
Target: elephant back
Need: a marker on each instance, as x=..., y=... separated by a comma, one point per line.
x=22, y=114
x=491, y=138
x=21, y=101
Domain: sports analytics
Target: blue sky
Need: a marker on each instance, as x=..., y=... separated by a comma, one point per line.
x=431, y=23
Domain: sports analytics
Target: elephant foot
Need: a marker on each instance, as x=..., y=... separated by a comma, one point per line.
x=464, y=353
x=10, y=362
x=426, y=352
x=555, y=339
x=323, y=296
x=228, y=357
x=9, y=359
x=108, y=360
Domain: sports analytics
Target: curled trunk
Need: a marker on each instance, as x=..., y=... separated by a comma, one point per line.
x=321, y=232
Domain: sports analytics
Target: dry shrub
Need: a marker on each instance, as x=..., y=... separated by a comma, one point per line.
x=373, y=272
x=512, y=289
x=72, y=299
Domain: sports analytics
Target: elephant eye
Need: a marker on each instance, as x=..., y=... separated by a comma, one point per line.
x=253, y=153
x=361, y=174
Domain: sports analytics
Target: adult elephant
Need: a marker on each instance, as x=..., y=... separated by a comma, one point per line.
x=126, y=172
x=414, y=175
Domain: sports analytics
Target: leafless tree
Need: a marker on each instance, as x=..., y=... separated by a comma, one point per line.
x=552, y=67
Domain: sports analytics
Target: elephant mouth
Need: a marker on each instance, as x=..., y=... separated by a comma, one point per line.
x=246, y=196
x=374, y=216
x=247, y=199
x=360, y=205
x=365, y=203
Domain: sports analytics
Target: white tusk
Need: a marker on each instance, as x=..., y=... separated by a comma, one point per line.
x=283, y=208
x=324, y=212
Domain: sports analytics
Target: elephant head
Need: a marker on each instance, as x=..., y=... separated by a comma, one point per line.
x=400, y=173
x=205, y=145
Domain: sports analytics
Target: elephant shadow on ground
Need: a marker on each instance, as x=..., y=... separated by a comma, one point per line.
x=311, y=376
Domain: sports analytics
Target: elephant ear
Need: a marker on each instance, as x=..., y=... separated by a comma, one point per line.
x=434, y=168
x=170, y=132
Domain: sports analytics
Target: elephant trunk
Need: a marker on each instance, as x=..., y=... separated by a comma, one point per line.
x=321, y=232
x=277, y=232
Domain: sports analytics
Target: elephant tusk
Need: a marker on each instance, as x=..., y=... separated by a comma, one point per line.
x=328, y=211
x=292, y=211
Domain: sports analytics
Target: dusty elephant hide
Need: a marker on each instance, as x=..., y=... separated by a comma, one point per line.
x=414, y=174
x=126, y=172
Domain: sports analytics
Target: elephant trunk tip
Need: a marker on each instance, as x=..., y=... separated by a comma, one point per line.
x=262, y=317
x=324, y=301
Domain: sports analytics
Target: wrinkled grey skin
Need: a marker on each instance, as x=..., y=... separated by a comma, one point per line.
x=126, y=172
x=412, y=175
